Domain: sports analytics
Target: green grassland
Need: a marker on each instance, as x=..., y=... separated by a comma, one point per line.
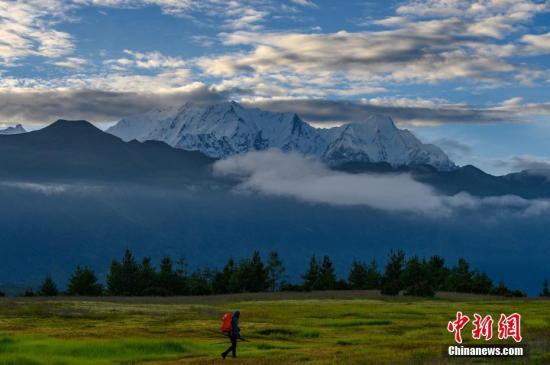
x=283, y=328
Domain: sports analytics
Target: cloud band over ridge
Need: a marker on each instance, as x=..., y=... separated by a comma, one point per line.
x=275, y=173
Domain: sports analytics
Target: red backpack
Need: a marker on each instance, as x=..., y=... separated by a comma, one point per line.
x=227, y=323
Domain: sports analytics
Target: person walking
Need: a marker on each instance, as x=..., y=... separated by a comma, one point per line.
x=234, y=335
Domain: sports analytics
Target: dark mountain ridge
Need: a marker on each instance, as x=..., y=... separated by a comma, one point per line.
x=79, y=150
x=470, y=179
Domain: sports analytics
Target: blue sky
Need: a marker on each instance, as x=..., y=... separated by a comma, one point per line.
x=470, y=76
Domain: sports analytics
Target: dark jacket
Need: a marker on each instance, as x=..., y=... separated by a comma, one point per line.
x=236, y=331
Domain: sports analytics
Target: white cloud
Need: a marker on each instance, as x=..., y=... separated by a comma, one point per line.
x=147, y=60
x=138, y=72
x=538, y=44
x=428, y=41
x=171, y=7
x=307, y=3
x=359, y=57
x=72, y=63
x=165, y=81
x=453, y=147
x=27, y=29
x=281, y=174
x=405, y=111
x=50, y=188
x=517, y=107
x=236, y=14
x=534, y=165
x=491, y=17
x=162, y=82
x=203, y=40
x=244, y=17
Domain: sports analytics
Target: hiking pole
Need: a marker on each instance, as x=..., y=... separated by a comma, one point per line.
x=240, y=338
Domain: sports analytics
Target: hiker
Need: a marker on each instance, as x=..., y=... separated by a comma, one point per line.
x=234, y=333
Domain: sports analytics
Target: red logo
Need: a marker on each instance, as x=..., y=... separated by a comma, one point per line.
x=458, y=325
x=483, y=327
x=508, y=326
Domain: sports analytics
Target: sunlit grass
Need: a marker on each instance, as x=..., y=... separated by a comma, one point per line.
x=281, y=330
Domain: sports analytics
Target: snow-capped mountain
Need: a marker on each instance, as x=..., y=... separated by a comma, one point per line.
x=377, y=139
x=17, y=129
x=221, y=130
x=224, y=129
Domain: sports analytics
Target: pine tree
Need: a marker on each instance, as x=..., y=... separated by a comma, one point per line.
x=327, y=277
x=129, y=270
x=545, y=289
x=166, y=266
x=391, y=281
x=460, y=278
x=259, y=274
x=481, y=283
x=167, y=279
x=83, y=282
x=311, y=276
x=29, y=293
x=181, y=284
x=501, y=289
x=250, y=275
x=438, y=272
x=363, y=276
x=373, y=278
x=200, y=282
x=224, y=281
x=48, y=288
x=115, y=284
x=275, y=272
x=181, y=267
x=239, y=282
x=416, y=279
x=147, y=277
x=124, y=278
x=357, y=277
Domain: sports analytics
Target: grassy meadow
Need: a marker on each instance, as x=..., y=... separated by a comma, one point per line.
x=283, y=328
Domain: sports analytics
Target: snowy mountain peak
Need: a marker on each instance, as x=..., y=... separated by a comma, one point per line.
x=379, y=120
x=377, y=139
x=224, y=129
x=16, y=129
x=381, y=123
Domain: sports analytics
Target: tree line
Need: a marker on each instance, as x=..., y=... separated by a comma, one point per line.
x=412, y=276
